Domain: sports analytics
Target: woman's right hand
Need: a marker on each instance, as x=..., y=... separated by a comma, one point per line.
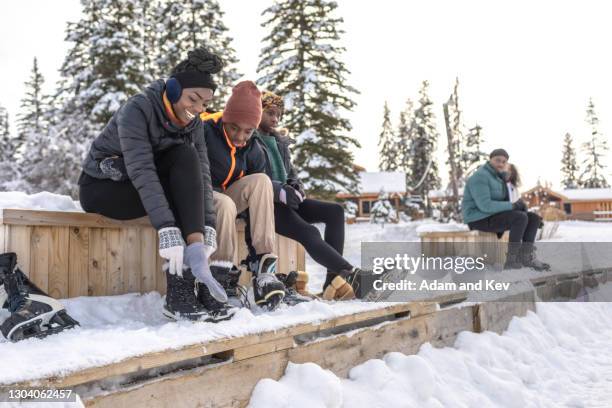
x=171, y=247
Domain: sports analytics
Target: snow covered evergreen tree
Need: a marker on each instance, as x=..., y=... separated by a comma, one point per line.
x=31, y=120
x=382, y=211
x=301, y=60
x=423, y=175
x=569, y=168
x=404, y=138
x=185, y=25
x=472, y=150
x=118, y=59
x=8, y=169
x=387, y=144
x=350, y=210
x=595, y=150
x=6, y=141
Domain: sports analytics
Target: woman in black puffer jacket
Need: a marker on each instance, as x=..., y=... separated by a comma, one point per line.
x=151, y=159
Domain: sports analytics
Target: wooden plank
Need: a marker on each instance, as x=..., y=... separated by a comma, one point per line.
x=132, y=267
x=258, y=349
x=148, y=259
x=65, y=218
x=78, y=261
x=40, y=256
x=201, y=386
x=97, y=268
x=301, y=257
x=19, y=237
x=3, y=231
x=160, y=277
x=162, y=358
x=59, y=262
x=114, y=258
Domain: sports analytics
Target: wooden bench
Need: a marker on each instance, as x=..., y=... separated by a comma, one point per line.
x=461, y=243
x=72, y=254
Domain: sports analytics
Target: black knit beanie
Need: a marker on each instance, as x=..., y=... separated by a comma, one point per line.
x=196, y=71
x=499, y=152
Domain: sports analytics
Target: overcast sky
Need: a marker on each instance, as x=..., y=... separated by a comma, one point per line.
x=526, y=68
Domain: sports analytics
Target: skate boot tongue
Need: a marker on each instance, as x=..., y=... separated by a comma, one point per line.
x=8, y=262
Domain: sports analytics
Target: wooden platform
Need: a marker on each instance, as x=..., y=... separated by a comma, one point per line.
x=223, y=373
x=72, y=254
x=461, y=243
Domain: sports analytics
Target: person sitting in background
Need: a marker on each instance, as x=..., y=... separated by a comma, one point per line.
x=295, y=214
x=513, y=181
x=486, y=206
x=237, y=166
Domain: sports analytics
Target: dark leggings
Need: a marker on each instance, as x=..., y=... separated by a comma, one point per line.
x=179, y=173
x=297, y=225
x=523, y=225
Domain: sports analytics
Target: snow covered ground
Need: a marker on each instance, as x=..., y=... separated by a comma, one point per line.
x=117, y=327
x=560, y=356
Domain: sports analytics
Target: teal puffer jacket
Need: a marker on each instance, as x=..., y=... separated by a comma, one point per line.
x=485, y=194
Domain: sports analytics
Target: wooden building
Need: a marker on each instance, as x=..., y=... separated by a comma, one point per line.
x=592, y=204
x=370, y=186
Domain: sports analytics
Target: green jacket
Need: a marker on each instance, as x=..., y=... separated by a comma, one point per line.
x=485, y=194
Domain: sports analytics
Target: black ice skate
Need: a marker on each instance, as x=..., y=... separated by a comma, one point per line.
x=33, y=312
x=268, y=291
x=181, y=302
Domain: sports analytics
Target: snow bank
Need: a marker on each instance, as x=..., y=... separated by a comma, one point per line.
x=39, y=201
x=117, y=327
x=561, y=356
x=440, y=227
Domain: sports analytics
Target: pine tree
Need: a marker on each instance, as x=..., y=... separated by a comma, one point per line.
x=387, y=144
x=8, y=169
x=301, y=61
x=32, y=119
x=6, y=142
x=118, y=60
x=569, y=168
x=595, y=150
x=404, y=138
x=184, y=26
x=382, y=211
x=472, y=151
x=424, y=138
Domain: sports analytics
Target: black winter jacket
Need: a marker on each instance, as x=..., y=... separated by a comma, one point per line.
x=229, y=163
x=136, y=133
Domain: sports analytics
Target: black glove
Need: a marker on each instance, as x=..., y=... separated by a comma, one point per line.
x=290, y=196
x=297, y=186
x=519, y=205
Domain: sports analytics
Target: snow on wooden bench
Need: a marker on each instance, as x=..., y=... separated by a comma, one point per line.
x=72, y=254
x=458, y=240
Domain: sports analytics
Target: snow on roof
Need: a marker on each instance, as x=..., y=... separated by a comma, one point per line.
x=373, y=182
x=588, y=193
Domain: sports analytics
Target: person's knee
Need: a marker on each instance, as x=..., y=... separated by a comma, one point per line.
x=337, y=211
x=225, y=206
x=260, y=180
x=519, y=217
x=311, y=232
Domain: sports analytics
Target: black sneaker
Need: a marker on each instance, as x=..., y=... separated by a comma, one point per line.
x=292, y=297
x=268, y=291
x=181, y=302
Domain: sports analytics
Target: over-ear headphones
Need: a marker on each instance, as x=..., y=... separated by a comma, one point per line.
x=173, y=90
